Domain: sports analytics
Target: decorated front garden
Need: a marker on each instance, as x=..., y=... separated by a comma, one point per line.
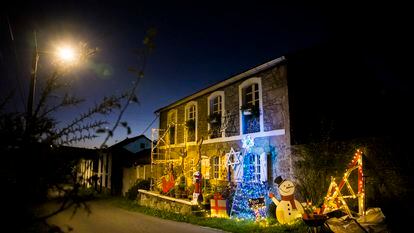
x=260, y=207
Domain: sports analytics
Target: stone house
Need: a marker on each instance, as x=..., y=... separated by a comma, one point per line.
x=293, y=100
x=202, y=128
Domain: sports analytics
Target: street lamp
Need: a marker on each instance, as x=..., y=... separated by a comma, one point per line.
x=65, y=54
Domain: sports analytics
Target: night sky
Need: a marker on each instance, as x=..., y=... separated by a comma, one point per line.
x=197, y=45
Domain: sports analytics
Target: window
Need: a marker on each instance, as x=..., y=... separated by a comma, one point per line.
x=257, y=171
x=252, y=95
x=172, y=121
x=142, y=145
x=216, y=105
x=215, y=114
x=250, y=98
x=257, y=167
x=216, y=167
x=191, y=121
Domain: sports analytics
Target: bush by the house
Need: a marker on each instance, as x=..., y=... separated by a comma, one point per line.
x=132, y=193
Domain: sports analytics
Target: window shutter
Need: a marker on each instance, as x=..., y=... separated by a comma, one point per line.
x=223, y=168
x=238, y=171
x=263, y=167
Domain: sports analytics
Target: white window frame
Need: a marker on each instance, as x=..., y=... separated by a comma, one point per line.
x=216, y=165
x=257, y=167
x=169, y=121
x=187, y=107
x=244, y=84
x=209, y=100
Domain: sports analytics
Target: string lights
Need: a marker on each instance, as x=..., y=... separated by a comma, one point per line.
x=334, y=198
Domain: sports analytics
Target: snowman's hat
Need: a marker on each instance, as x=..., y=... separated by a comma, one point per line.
x=279, y=180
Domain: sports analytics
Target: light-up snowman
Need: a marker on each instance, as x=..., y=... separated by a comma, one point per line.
x=288, y=209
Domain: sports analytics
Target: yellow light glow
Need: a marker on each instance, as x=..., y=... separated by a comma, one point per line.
x=66, y=54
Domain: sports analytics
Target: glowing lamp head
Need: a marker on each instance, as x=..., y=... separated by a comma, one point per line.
x=66, y=54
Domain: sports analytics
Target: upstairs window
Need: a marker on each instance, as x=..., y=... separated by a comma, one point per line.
x=172, y=121
x=251, y=106
x=191, y=121
x=215, y=114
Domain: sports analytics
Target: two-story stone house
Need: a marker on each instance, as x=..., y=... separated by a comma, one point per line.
x=201, y=128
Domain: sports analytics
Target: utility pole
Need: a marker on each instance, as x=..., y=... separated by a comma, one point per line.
x=32, y=87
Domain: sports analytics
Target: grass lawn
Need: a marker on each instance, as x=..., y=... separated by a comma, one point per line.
x=230, y=225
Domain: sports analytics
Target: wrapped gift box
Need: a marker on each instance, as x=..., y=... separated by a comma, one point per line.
x=218, y=208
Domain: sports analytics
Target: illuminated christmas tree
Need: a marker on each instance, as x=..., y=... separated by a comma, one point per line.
x=249, y=197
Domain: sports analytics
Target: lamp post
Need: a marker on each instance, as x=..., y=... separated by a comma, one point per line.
x=32, y=87
x=65, y=54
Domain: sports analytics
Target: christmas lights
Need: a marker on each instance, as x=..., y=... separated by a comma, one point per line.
x=248, y=200
x=334, y=198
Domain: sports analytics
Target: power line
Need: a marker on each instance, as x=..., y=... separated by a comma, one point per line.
x=156, y=117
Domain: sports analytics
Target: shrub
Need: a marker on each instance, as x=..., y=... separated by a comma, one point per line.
x=132, y=193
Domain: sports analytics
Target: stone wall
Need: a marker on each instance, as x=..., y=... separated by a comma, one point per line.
x=161, y=202
x=275, y=117
x=275, y=106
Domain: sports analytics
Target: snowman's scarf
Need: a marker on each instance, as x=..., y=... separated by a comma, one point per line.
x=291, y=199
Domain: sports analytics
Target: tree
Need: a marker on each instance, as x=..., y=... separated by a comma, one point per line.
x=27, y=144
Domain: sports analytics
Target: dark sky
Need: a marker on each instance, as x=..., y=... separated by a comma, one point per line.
x=197, y=45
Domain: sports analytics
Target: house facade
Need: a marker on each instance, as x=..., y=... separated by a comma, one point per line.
x=198, y=131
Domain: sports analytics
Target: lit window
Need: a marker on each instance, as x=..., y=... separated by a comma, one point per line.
x=216, y=167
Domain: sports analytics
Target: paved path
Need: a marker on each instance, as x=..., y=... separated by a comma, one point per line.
x=106, y=218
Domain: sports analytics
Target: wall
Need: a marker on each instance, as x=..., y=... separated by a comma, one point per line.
x=275, y=117
x=162, y=202
x=131, y=174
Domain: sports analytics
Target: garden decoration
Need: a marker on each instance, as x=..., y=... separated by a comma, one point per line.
x=167, y=181
x=259, y=207
x=248, y=186
x=218, y=206
x=233, y=160
x=288, y=209
x=248, y=143
x=336, y=200
x=197, y=196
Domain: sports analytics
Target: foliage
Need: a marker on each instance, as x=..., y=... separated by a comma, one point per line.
x=316, y=163
x=384, y=173
x=28, y=140
x=132, y=192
